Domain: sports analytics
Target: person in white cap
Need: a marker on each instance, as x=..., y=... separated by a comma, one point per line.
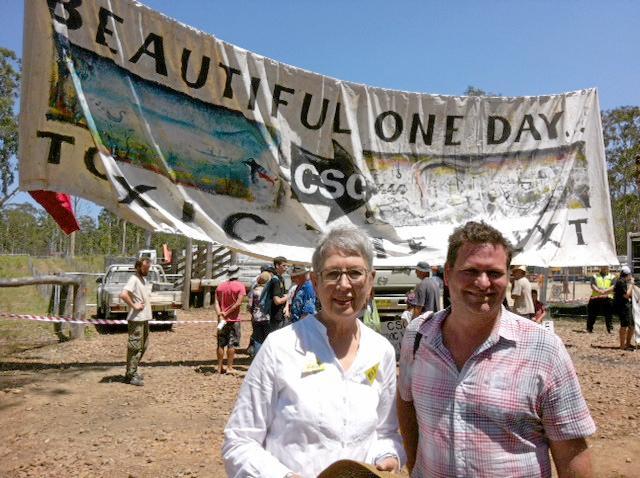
x=229, y=295
x=521, y=293
x=622, y=294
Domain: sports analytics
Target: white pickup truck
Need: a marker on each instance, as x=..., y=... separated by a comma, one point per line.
x=165, y=299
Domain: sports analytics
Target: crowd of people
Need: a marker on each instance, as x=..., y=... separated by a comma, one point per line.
x=482, y=390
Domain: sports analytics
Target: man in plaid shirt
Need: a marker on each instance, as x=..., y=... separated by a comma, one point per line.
x=484, y=392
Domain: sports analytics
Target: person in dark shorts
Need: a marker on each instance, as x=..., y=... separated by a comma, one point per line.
x=622, y=294
x=229, y=338
x=229, y=295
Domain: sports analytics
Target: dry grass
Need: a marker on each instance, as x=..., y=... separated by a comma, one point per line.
x=16, y=336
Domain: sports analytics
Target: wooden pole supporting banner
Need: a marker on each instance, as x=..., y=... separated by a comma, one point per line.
x=79, y=308
x=186, y=286
x=206, y=303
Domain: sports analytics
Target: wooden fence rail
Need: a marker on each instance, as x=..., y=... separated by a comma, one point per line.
x=79, y=310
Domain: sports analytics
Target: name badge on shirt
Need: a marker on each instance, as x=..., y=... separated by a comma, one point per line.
x=312, y=365
x=372, y=373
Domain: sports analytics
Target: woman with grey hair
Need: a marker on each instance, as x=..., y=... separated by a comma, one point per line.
x=323, y=388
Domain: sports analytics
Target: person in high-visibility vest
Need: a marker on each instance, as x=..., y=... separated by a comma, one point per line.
x=600, y=302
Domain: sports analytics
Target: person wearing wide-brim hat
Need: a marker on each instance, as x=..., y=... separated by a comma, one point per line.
x=303, y=299
x=353, y=469
x=323, y=388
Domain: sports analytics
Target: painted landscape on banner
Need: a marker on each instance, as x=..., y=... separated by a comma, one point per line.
x=495, y=187
x=180, y=132
x=191, y=143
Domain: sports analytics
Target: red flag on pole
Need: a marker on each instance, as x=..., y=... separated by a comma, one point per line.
x=59, y=206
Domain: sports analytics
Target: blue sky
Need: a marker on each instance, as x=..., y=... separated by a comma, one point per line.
x=512, y=48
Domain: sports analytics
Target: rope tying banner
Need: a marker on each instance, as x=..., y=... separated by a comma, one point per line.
x=70, y=320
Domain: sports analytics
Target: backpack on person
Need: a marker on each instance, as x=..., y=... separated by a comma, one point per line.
x=256, y=309
x=266, y=299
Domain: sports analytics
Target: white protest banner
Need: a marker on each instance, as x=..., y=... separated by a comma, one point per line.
x=393, y=330
x=180, y=132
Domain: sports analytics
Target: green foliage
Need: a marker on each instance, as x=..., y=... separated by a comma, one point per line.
x=27, y=230
x=621, y=130
x=474, y=91
x=9, y=87
x=108, y=237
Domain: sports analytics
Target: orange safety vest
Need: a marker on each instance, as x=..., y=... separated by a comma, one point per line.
x=602, y=283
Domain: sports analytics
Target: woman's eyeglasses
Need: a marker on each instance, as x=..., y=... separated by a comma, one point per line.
x=333, y=276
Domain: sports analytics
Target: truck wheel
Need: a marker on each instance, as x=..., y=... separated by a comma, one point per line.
x=101, y=328
x=163, y=316
x=111, y=328
x=161, y=327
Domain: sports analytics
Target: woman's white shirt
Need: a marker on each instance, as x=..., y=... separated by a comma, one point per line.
x=298, y=411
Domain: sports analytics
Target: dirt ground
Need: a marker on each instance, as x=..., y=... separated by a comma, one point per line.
x=64, y=410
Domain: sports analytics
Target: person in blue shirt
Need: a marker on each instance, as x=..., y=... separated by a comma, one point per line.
x=304, y=297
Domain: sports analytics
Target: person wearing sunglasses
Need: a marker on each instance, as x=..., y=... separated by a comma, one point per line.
x=323, y=388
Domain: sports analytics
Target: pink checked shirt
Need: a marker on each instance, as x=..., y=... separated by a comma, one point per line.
x=495, y=417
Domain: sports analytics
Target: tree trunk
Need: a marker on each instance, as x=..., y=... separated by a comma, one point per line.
x=72, y=244
x=7, y=197
x=206, y=303
x=124, y=237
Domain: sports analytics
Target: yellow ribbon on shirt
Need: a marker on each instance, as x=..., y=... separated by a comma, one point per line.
x=313, y=364
x=372, y=373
